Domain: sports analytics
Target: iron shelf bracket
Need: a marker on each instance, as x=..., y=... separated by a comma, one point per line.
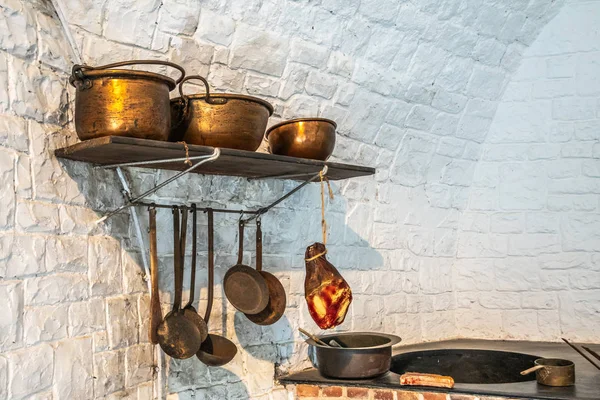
x=138, y=201
x=204, y=159
x=263, y=210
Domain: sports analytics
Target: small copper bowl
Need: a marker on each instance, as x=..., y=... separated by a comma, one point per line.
x=312, y=138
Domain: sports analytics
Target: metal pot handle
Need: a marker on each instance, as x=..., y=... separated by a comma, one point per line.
x=77, y=73
x=207, y=98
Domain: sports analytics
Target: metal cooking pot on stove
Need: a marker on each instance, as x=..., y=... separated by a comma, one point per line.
x=233, y=121
x=122, y=102
x=362, y=355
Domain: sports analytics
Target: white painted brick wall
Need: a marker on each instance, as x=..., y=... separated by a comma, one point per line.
x=75, y=298
x=539, y=216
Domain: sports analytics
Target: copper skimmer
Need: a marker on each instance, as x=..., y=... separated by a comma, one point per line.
x=178, y=336
x=215, y=350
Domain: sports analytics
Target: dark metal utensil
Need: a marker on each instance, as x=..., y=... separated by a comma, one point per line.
x=592, y=352
x=277, y=300
x=245, y=287
x=189, y=311
x=177, y=335
x=155, y=311
x=581, y=353
x=215, y=350
x=313, y=337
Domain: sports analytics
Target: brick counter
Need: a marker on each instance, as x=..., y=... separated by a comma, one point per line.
x=313, y=392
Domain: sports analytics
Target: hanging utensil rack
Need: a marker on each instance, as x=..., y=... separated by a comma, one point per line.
x=108, y=152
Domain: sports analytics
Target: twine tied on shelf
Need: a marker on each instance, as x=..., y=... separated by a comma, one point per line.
x=324, y=180
x=187, y=153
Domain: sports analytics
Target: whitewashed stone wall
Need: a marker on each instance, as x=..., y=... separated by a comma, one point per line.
x=413, y=87
x=529, y=246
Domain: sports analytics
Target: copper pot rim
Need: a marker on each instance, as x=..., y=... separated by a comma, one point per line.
x=130, y=74
x=291, y=121
x=554, y=363
x=233, y=96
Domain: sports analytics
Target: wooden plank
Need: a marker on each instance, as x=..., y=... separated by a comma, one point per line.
x=117, y=149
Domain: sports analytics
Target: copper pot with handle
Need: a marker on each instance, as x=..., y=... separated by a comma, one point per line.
x=122, y=102
x=233, y=121
x=553, y=372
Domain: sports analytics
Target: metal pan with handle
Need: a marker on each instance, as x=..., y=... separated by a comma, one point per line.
x=553, y=372
x=277, y=300
x=245, y=288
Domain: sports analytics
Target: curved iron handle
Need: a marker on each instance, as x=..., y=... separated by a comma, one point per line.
x=207, y=98
x=77, y=73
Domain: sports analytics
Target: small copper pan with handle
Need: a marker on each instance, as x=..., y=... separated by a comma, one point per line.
x=553, y=372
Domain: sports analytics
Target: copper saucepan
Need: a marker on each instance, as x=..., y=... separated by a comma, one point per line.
x=553, y=372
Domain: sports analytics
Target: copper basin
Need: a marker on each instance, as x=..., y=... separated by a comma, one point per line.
x=312, y=138
x=226, y=120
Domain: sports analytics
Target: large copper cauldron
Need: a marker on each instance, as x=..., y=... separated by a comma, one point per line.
x=232, y=121
x=122, y=102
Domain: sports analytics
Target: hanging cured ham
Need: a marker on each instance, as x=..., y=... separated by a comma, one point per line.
x=327, y=293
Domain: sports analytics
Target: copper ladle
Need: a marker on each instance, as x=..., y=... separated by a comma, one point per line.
x=178, y=336
x=189, y=311
x=215, y=350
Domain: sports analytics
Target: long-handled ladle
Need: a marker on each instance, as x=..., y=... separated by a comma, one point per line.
x=177, y=335
x=215, y=350
x=189, y=311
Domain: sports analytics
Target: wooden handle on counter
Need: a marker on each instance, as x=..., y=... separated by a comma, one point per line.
x=532, y=369
x=421, y=379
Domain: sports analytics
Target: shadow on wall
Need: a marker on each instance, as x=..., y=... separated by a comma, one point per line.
x=191, y=379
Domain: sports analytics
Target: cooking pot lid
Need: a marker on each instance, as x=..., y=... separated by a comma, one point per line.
x=130, y=74
x=233, y=96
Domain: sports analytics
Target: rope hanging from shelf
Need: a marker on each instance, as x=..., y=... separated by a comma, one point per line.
x=323, y=221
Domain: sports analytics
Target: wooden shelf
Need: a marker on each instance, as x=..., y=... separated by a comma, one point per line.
x=119, y=149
